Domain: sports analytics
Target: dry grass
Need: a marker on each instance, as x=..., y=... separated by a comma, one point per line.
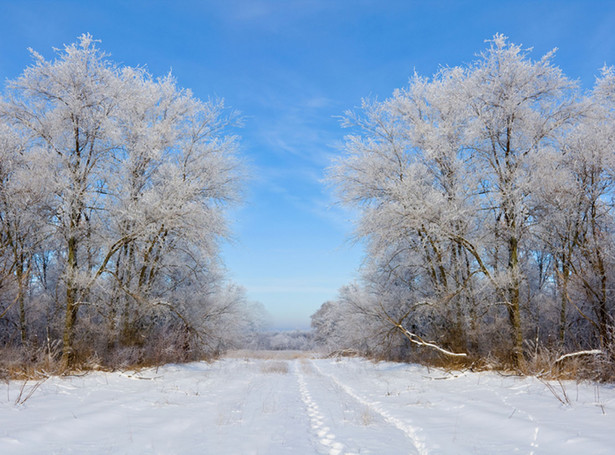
x=91, y=354
x=274, y=367
x=548, y=365
x=23, y=364
x=367, y=418
x=542, y=363
x=268, y=355
x=306, y=367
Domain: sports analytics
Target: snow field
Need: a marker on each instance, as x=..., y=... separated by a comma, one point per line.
x=304, y=406
x=228, y=407
x=481, y=413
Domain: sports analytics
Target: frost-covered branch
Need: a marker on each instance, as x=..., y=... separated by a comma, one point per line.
x=579, y=353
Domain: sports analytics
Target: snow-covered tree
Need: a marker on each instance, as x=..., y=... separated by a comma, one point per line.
x=131, y=176
x=444, y=176
x=22, y=224
x=578, y=205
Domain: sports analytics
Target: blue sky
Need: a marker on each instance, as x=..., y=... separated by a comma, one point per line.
x=291, y=68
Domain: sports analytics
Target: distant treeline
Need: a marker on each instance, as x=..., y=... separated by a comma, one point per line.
x=293, y=340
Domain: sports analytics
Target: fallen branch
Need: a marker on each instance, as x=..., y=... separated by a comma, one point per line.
x=414, y=338
x=134, y=376
x=419, y=341
x=578, y=353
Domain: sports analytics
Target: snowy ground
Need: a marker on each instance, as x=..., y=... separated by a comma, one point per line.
x=303, y=406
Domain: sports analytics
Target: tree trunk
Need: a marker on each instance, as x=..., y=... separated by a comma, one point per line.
x=514, y=310
x=564, y=296
x=68, y=354
x=21, y=300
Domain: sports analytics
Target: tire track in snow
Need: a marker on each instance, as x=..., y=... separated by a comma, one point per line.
x=410, y=431
x=326, y=437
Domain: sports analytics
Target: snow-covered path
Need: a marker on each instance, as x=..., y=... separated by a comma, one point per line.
x=302, y=406
x=344, y=425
